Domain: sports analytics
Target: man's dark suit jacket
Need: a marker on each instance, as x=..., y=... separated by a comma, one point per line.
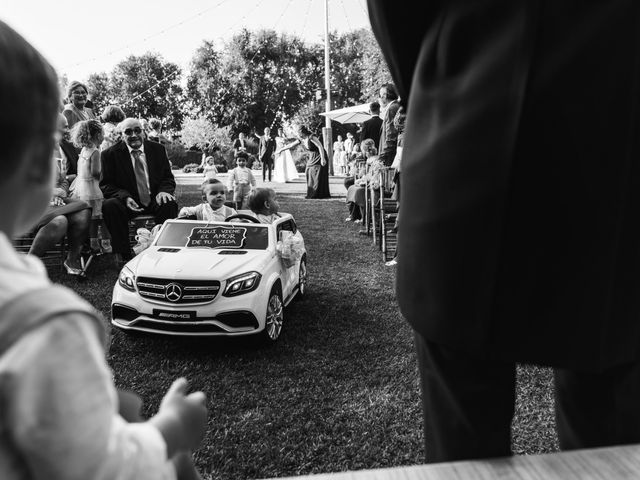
x=520, y=232
x=371, y=129
x=389, y=134
x=118, y=179
x=266, y=148
x=72, y=156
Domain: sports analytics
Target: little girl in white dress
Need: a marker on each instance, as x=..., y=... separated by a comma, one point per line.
x=88, y=134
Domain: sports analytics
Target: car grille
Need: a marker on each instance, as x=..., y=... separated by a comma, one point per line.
x=177, y=292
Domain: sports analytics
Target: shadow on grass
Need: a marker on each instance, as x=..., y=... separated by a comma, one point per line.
x=338, y=391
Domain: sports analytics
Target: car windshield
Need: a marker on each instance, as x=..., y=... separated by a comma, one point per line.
x=214, y=235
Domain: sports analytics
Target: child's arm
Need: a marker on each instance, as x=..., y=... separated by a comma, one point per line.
x=67, y=425
x=252, y=179
x=95, y=164
x=232, y=175
x=188, y=211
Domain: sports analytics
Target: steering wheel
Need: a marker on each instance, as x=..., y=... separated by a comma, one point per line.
x=242, y=216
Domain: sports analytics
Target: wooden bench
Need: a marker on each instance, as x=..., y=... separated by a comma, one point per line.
x=612, y=463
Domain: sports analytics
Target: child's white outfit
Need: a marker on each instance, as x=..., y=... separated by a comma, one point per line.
x=210, y=171
x=240, y=181
x=86, y=187
x=59, y=415
x=205, y=212
x=266, y=218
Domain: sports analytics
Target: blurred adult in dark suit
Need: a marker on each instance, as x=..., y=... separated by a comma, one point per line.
x=371, y=127
x=520, y=238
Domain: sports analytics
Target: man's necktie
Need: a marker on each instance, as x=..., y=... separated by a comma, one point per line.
x=141, y=179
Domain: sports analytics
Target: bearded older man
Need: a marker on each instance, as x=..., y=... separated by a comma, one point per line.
x=136, y=180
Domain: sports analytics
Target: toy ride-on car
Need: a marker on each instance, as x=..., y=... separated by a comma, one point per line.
x=203, y=278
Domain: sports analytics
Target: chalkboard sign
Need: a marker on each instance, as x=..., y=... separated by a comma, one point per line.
x=217, y=237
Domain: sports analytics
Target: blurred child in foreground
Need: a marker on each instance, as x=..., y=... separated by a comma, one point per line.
x=59, y=417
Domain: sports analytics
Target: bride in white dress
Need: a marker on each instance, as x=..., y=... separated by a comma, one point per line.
x=284, y=169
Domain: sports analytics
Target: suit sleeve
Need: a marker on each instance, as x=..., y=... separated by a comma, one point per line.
x=108, y=183
x=167, y=183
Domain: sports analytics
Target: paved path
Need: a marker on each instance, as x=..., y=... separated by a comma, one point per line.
x=299, y=186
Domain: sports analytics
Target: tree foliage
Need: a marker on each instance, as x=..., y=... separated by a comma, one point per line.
x=145, y=73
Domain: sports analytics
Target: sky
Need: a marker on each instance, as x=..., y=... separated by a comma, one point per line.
x=80, y=38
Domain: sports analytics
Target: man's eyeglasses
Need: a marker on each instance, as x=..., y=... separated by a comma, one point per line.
x=130, y=131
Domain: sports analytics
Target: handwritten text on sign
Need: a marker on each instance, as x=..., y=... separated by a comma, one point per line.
x=217, y=237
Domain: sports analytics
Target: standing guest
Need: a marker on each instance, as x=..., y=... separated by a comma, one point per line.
x=241, y=180
x=76, y=111
x=388, y=132
x=338, y=152
x=155, y=132
x=317, y=171
x=284, y=167
x=88, y=135
x=503, y=103
x=68, y=152
x=399, y=123
x=266, y=148
x=63, y=421
x=136, y=180
x=210, y=170
x=111, y=116
x=348, y=149
x=240, y=144
x=371, y=127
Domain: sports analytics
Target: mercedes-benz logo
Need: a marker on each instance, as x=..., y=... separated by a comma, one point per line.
x=173, y=292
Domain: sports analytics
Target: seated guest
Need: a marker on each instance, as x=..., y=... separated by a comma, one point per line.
x=214, y=194
x=355, y=193
x=111, y=116
x=76, y=110
x=136, y=180
x=63, y=216
x=263, y=204
x=68, y=152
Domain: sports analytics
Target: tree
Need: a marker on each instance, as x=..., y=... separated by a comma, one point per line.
x=146, y=86
x=100, y=91
x=201, y=133
x=257, y=80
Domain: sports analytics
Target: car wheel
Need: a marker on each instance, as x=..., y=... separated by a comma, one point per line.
x=302, y=278
x=274, y=317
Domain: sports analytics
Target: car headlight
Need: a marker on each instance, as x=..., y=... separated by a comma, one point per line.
x=127, y=279
x=247, y=282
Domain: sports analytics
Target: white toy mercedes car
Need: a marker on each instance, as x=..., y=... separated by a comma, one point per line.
x=213, y=278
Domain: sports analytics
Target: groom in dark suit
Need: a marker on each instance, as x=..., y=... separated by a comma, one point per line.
x=265, y=153
x=136, y=180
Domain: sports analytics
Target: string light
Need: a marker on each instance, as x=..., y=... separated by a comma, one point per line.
x=146, y=39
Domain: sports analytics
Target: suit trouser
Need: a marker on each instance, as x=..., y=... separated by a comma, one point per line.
x=468, y=404
x=267, y=166
x=116, y=217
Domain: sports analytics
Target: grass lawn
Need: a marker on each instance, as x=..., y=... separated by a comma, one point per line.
x=339, y=391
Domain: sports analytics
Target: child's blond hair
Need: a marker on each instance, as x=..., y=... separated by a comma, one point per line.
x=83, y=133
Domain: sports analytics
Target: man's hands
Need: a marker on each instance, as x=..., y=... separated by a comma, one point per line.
x=132, y=205
x=164, y=197
x=57, y=202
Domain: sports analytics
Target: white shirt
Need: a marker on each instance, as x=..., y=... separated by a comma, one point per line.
x=64, y=418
